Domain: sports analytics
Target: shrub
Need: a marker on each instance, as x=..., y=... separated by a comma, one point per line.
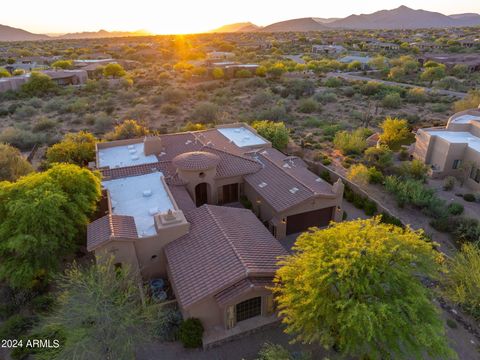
x=173, y=95
x=417, y=95
x=359, y=174
x=43, y=124
x=449, y=183
x=394, y=131
x=350, y=142
x=469, y=197
x=275, y=132
x=43, y=303
x=12, y=164
x=129, y=129
x=169, y=109
x=205, y=112
x=380, y=156
x=325, y=175
x=38, y=84
x=392, y=101
x=271, y=351
x=308, y=106
x=333, y=82
x=166, y=324
x=246, y=203
x=389, y=219
x=374, y=176
x=414, y=169
x=455, y=208
x=466, y=230
x=370, y=207
x=16, y=325
x=190, y=333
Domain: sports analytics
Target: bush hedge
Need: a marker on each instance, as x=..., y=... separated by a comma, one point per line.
x=190, y=333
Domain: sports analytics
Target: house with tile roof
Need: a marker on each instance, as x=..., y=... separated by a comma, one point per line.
x=453, y=150
x=172, y=210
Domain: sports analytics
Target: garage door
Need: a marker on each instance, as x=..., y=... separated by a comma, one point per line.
x=301, y=222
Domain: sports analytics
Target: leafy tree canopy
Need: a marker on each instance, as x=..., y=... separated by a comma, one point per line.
x=41, y=216
x=356, y=286
x=394, y=131
x=75, y=148
x=114, y=70
x=129, y=129
x=39, y=84
x=275, y=132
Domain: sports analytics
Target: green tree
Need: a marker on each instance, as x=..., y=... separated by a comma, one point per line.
x=4, y=72
x=129, y=129
x=100, y=311
x=38, y=84
x=261, y=71
x=63, y=64
x=356, y=286
x=75, y=148
x=462, y=279
x=359, y=174
x=394, y=131
x=12, y=163
x=433, y=73
x=114, y=70
x=41, y=215
x=275, y=132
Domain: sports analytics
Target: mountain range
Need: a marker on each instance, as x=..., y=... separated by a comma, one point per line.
x=8, y=33
x=400, y=18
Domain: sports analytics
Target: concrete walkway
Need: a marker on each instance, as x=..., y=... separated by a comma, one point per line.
x=355, y=76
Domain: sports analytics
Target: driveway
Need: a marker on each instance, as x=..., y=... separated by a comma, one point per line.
x=355, y=76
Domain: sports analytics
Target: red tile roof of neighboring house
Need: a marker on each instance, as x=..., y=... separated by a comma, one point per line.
x=110, y=227
x=284, y=184
x=233, y=165
x=224, y=246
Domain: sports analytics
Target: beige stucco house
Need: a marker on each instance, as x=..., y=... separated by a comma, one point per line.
x=172, y=210
x=454, y=149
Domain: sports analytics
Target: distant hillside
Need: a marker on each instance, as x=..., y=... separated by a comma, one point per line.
x=103, y=34
x=401, y=18
x=303, y=24
x=8, y=33
x=237, y=27
x=469, y=19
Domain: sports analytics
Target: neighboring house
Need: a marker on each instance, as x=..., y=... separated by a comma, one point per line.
x=60, y=77
x=162, y=197
x=328, y=49
x=454, y=149
x=383, y=46
x=364, y=60
x=471, y=61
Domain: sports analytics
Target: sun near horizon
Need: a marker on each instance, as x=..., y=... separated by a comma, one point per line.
x=174, y=17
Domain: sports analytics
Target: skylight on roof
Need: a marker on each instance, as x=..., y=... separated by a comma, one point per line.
x=262, y=184
x=293, y=190
x=242, y=137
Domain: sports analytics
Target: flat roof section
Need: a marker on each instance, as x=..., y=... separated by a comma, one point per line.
x=458, y=137
x=242, y=137
x=140, y=197
x=124, y=155
x=465, y=119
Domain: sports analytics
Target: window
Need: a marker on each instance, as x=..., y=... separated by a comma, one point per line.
x=153, y=257
x=475, y=175
x=456, y=164
x=249, y=308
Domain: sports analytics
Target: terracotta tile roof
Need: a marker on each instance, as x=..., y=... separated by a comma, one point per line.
x=284, y=184
x=234, y=291
x=116, y=173
x=233, y=165
x=182, y=198
x=196, y=160
x=175, y=144
x=110, y=227
x=224, y=246
x=214, y=138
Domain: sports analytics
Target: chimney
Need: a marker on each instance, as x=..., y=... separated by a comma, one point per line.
x=152, y=145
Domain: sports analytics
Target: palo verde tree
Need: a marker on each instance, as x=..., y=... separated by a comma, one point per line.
x=41, y=215
x=75, y=148
x=129, y=129
x=100, y=312
x=275, y=132
x=356, y=287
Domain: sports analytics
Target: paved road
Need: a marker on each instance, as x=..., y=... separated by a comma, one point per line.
x=355, y=76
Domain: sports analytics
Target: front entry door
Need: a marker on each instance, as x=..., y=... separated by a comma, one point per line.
x=201, y=194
